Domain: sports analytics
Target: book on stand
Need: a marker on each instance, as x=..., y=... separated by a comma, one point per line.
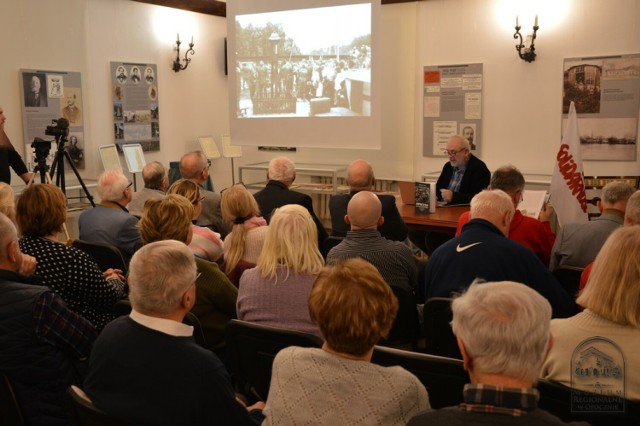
x=426, y=199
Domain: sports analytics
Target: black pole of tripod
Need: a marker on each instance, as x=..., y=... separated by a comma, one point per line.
x=57, y=168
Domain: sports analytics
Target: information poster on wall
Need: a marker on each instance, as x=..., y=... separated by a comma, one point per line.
x=452, y=104
x=135, y=105
x=606, y=93
x=48, y=96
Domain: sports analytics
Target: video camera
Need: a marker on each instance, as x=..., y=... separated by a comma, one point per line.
x=59, y=128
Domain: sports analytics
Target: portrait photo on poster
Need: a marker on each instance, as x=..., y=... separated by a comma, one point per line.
x=468, y=131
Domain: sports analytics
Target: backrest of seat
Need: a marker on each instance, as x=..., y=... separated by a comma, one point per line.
x=569, y=278
x=198, y=334
x=252, y=347
x=105, y=255
x=406, y=325
x=10, y=411
x=82, y=412
x=443, y=377
x=439, y=338
x=575, y=405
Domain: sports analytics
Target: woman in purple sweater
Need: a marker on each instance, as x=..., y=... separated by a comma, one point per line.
x=276, y=291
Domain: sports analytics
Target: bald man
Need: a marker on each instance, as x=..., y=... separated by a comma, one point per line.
x=393, y=259
x=360, y=177
x=483, y=251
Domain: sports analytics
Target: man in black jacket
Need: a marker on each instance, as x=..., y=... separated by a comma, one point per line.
x=281, y=174
x=463, y=176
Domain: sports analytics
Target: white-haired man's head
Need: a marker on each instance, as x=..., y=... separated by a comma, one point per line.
x=113, y=185
x=494, y=206
x=282, y=169
x=502, y=330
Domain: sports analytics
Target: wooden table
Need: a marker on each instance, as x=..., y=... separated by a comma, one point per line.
x=444, y=220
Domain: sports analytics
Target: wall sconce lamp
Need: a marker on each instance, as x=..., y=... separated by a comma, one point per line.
x=527, y=53
x=176, y=63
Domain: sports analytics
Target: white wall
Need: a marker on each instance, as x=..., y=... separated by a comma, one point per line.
x=521, y=106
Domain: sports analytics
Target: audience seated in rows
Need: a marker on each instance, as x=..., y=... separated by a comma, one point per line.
x=146, y=368
x=532, y=233
x=599, y=348
x=338, y=385
x=244, y=243
x=109, y=221
x=156, y=182
x=195, y=167
x=277, y=193
x=205, y=243
x=577, y=244
x=631, y=217
x=502, y=330
x=276, y=291
x=170, y=219
x=393, y=259
x=41, y=340
x=360, y=177
x=482, y=251
x=41, y=213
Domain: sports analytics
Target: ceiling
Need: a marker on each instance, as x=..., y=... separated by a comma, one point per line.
x=217, y=8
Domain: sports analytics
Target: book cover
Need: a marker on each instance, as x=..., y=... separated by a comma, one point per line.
x=425, y=197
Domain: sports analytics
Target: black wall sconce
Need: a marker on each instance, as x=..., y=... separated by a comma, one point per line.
x=176, y=63
x=527, y=53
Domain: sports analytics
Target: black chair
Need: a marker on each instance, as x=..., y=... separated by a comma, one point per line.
x=252, y=347
x=105, y=255
x=569, y=279
x=405, y=330
x=443, y=377
x=438, y=336
x=82, y=412
x=329, y=243
x=10, y=411
x=557, y=399
x=123, y=307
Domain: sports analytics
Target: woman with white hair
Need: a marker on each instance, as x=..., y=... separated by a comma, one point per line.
x=609, y=327
x=276, y=292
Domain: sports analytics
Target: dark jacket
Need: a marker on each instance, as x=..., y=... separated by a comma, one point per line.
x=393, y=227
x=276, y=194
x=476, y=178
x=482, y=251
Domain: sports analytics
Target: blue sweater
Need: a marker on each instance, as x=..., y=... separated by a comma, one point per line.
x=482, y=251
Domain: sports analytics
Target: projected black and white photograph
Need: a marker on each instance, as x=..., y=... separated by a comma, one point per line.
x=307, y=62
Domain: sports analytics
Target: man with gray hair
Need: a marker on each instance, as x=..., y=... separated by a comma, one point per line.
x=483, y=251
x=109, y=222
x=146, y=368
x=194, y=166
x=578, y=244
x=280, y=176
x=156, y=183
x=533, y=233
x=488, y=320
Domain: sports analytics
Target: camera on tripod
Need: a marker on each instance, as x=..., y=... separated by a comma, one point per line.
x=41, y=149
x=59, y=128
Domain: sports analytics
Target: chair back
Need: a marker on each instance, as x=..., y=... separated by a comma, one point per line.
x=438, y=335
x=330, y=242
x=82, y=412
x=405, y=330
x=105, y=255
x=564, y=402
x=252, y=347
x=443, y=377
x=569, y=279
x=10, y=411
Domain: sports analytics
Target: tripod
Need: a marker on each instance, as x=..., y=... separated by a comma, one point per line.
x=57, y=168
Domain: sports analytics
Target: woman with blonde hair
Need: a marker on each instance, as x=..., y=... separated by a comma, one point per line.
x=41, y=212
x=169, y=218
x=609, y=325
x=276, y=292
x=205, y=243
x=7, y=201
x=243, y=244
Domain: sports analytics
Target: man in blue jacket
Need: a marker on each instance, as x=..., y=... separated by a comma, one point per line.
x=483, y=251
